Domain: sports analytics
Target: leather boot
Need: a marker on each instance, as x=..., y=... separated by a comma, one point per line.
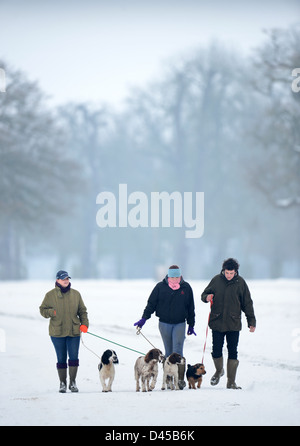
x=181, y=372
x=232, y=365
x=62, y=374
x=73, y=368
x=219, y=371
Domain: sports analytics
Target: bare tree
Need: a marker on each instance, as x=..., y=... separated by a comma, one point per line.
x=35, y=174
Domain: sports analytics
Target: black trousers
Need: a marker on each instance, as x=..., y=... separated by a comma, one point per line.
x=232, y=338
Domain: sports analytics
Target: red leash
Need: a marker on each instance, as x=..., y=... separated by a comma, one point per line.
x=211, y=302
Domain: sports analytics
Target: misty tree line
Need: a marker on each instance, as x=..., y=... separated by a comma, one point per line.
x=214, y=122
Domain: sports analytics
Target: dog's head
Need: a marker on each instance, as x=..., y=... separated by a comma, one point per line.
x=109, y=356
x=154, y=354
x=196, y=369
x=176, y=358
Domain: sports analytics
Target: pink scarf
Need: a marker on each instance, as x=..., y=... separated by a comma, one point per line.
x=175, y=283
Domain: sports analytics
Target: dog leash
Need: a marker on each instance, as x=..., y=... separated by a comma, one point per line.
x=211, y=302
x=112, y=342
x=88, y=348
x=139, y=331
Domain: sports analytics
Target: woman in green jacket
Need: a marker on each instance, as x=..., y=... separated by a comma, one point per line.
x=68, y=317
x=229, y=295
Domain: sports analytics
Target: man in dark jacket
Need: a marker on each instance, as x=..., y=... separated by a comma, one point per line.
x=229, y=295
x=173, y=302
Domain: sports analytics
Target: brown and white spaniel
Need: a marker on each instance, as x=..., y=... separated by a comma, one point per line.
x=171, y=371
x=146, y=369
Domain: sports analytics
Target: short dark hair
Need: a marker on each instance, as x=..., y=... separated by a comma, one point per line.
x=230, y=264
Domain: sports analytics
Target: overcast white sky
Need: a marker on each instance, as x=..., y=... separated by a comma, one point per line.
x=94, y=50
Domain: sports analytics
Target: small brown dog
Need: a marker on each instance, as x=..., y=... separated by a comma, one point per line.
x=194, y=375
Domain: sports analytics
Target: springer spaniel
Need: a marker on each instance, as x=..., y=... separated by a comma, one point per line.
x=171, y=371
x=146, y=367
x=107, y=369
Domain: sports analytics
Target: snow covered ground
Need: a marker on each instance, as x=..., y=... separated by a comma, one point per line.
x=269, y=370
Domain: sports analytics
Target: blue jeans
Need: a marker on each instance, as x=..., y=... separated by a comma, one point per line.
x=173, y=336
x=66, y=346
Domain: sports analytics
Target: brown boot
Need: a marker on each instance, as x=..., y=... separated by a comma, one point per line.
x=73, y=368
x=62, y=374
x=219, y=371
x=232, y=365
x=181, y=371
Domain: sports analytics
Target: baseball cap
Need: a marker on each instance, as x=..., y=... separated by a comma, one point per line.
x=62, y=275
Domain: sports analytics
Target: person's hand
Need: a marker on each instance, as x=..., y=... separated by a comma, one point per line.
x=251, y=329
x=209, y=298
x=140, y=323
x=191, y=331
x=83, y=328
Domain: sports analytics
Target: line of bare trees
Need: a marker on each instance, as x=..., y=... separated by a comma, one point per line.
x=215, y=122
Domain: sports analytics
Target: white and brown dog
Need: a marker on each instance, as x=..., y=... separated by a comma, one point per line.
x=107, y=369
x=146, y=368
x=170, y=378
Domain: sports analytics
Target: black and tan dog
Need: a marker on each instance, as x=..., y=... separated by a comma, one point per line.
x=194, y=375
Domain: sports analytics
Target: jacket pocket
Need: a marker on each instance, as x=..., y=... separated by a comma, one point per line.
x=214, y=316
x=75, y=326
x=55, y=328
x=236, y=322
x=215, y=321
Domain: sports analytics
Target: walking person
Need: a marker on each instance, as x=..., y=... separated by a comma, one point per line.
x=68, y=317
x=173, y=302
x=229, y=295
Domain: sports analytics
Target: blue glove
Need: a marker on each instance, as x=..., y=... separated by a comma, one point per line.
x=140, y=323
x=191, y=331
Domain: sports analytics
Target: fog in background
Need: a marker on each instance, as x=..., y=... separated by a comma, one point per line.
x=160, y=96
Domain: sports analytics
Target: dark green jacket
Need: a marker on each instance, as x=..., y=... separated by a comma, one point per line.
x=231, y=297
x=70, y=312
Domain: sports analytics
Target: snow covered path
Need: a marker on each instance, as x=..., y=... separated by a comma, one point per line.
x=269, y=370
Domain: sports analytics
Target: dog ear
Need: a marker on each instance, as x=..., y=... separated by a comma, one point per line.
x=105, y=357
x=172, y=358
x=148, y=356
x=156, y=353
x=176, y=357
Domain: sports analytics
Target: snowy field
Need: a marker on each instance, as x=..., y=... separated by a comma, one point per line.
x=269, y=370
